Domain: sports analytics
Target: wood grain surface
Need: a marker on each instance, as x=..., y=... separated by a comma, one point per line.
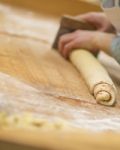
x=35, y=79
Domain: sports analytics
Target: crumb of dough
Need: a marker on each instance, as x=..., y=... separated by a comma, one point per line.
x=28, y=121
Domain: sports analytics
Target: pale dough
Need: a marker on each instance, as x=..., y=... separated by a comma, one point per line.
x=28, y=121
x=95, y=75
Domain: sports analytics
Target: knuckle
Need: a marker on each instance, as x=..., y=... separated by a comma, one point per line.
x=76, y=43
x=92, y=14
x=67, y=47
x=61, y=39
x=77, y=33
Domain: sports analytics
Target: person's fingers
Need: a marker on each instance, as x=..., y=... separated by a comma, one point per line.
x=68, y=47
x=83, y=16
x=65, y=39
x=108, y=28
x=99, y=20
x=88, y=17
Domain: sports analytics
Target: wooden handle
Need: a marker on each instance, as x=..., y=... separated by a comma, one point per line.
x=95, y=75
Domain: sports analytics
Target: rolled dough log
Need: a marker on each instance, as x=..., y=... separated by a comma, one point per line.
x=96, y=77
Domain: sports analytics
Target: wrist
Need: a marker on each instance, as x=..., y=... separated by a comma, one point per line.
x=102, y=41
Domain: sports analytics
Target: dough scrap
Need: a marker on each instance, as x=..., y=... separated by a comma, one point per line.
x=28, y=121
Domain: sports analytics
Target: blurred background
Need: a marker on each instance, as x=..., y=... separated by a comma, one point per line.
x=111, y=3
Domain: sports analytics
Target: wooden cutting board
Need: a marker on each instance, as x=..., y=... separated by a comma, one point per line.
x=37, y=80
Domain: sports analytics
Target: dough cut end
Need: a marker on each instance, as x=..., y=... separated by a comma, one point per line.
x=103, y=95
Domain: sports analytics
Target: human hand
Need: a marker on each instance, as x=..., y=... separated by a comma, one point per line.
x=81, y=39
x=99, y=20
